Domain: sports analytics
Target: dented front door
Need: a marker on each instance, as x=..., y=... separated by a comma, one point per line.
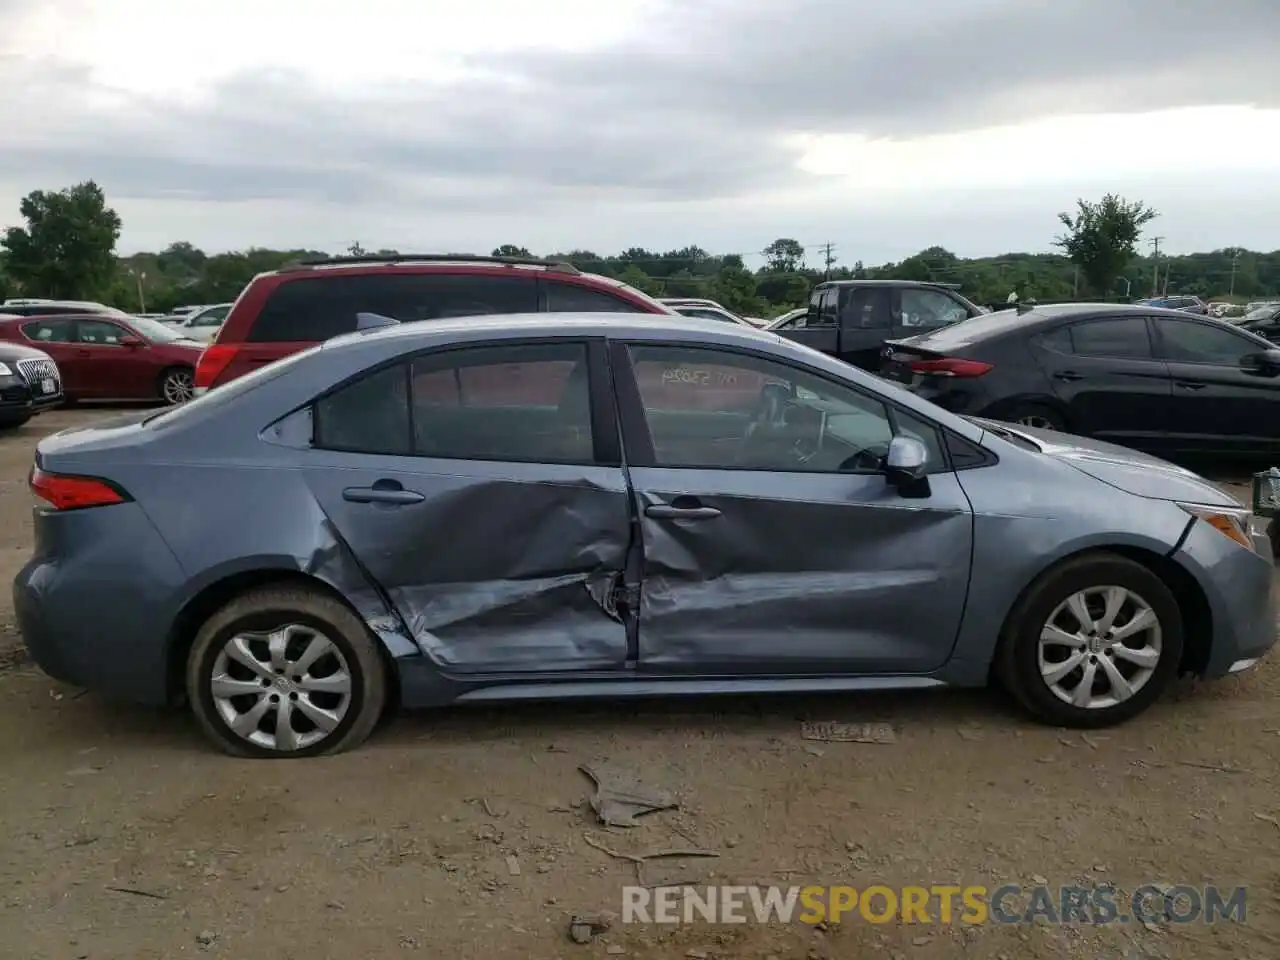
x=772, y=541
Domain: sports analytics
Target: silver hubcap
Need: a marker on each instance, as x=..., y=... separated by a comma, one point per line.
x=178, y=387
x=285, y=690
x=1036, y=421
x=1100, y=647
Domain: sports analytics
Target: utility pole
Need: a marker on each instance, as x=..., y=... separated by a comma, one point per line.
x=1235, y=258
x=1155, y=255
x=828, y=258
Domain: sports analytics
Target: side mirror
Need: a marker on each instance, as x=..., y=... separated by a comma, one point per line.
x=1263, y=364
x=906, y=466
x=128, y=340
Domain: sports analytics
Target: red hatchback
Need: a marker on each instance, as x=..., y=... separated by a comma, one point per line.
x=111, y=357
x=288, y=310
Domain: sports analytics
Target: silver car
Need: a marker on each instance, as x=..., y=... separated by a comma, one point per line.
x=556, y=506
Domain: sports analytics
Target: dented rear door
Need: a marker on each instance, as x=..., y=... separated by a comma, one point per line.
x=496, y=562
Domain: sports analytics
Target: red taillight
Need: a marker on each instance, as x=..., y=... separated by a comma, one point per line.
x=213, y=363
x=64, y=492
x=950, y=367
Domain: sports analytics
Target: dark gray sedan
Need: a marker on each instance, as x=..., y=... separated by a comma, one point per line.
x=567, y=506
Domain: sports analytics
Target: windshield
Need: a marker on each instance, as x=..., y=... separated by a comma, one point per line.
x=155, y=330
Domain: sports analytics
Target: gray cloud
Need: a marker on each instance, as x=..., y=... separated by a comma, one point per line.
x=695, y=105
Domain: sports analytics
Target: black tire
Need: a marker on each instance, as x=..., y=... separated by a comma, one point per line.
x=1017, y=657
x=1038, y=415
x=170, y=378
x=12, y=422
x=270, y=608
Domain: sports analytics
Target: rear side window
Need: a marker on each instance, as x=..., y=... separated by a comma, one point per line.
x=866, y=308
x=50, y=331
x=318, y=308
x=522, y=403
x=1121, y=338
x=571, y=298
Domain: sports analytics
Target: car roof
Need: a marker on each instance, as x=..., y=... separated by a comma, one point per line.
x=516, y=325
x=938, y=284
x=1002, y=322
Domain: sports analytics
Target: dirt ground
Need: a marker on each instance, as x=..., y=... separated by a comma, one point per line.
x=464, y=833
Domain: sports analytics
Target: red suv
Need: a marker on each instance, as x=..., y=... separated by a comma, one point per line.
x=288, y=310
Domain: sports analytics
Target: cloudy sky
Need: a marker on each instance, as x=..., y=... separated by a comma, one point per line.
x=555, y=124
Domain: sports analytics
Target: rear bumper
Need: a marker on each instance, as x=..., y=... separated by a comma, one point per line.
x=1237, y=584
x=95, y=602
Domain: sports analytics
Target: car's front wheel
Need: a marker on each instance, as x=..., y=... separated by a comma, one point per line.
x=1093, y=643
x=286, y=672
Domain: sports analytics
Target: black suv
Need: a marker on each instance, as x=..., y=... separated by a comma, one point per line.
x=852, y=319
x=29, y=384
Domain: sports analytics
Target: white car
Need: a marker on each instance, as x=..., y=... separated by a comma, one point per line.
x=204, y=323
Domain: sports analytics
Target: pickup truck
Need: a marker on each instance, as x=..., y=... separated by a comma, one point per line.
x=852, y=319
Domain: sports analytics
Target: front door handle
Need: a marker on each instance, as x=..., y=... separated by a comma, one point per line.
x=666, y=511
x=1068, y=375
x=383, y=491
x=1188, y=385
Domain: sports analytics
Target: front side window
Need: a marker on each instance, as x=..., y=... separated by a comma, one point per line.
x=311, y=309
x=930, y=309
x=1119, y=339
x=100, y=332
x=1190, y=342
x=50, y=331
x=716, y=409
x=520, y=403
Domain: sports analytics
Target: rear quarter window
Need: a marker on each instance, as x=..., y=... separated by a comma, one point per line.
x=312, y=309
x=571, y=298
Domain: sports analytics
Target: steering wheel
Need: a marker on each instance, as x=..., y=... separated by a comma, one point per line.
x=867, y=460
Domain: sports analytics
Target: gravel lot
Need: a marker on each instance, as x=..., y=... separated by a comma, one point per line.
x=464, y=833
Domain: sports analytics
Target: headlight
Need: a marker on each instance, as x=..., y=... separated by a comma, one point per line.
x=5, y=370
x=1232, y=522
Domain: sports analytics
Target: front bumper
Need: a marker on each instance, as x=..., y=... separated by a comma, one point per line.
x=17, y=395
x=1237, y=585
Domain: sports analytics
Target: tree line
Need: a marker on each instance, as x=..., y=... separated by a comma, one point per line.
x=66, y=249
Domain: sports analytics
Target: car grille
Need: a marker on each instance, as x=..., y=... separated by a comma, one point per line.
x=36, y=371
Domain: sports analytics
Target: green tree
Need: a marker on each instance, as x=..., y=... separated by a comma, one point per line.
x=355, y=250
x=784, y=256
x=1102, y=238
x=633, y=276
x=67, y=249
x=511, y=250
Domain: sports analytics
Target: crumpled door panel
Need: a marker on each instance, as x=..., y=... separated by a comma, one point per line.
x=801, y=573
x=492, y=572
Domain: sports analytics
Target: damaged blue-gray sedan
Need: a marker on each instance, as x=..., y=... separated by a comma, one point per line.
x=507, y=508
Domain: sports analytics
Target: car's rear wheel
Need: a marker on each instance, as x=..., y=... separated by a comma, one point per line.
x=286, y=672
x=1038, y=416
x=177, y=385
x=1093, y=643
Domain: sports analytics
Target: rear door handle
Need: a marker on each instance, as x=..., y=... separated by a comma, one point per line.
x=1068, y=375
x=665, y=511
x=384, y=491
x=1188, y=385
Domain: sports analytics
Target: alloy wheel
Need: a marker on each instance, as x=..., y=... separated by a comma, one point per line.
x=1037, y=422
x=178, y=387
x=286, y=690
x=1099, y=647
